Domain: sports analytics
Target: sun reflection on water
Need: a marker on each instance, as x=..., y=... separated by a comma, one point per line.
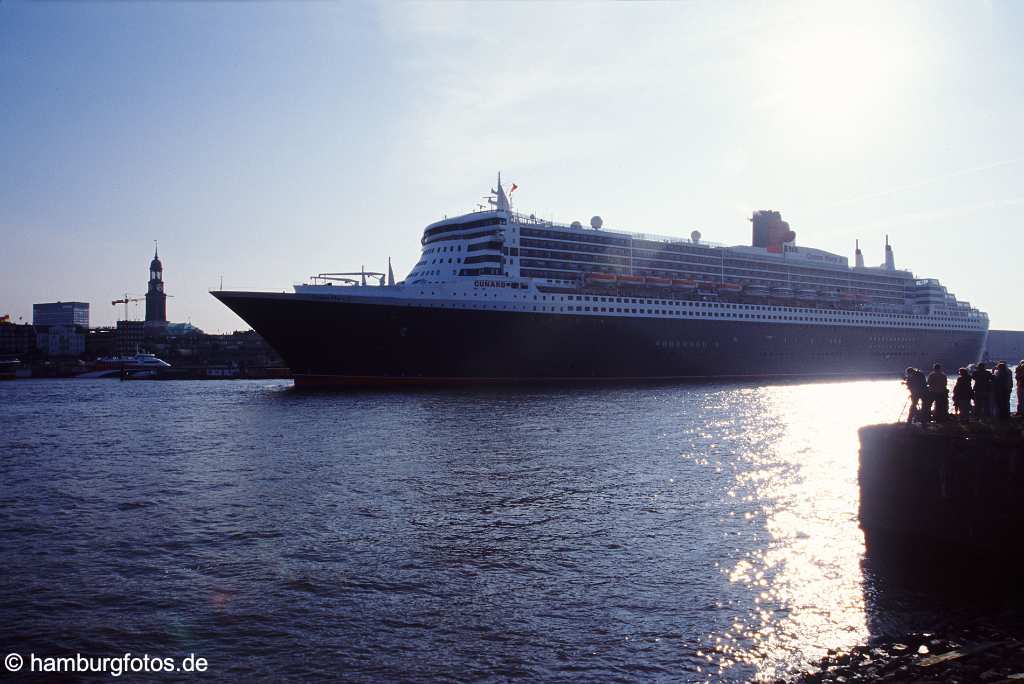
x=799, y=485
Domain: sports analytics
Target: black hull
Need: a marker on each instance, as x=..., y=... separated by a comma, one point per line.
x=335, y=341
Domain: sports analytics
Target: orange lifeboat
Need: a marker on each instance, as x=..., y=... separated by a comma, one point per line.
x=730, y=288
x=659, y=282
x=631, y=279
x=684, y=284
x=601, y=278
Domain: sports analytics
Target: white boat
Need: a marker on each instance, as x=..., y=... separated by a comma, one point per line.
x=137, y=362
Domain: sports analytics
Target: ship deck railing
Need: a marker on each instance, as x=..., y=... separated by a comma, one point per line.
x=647, y=291
x=531, y=220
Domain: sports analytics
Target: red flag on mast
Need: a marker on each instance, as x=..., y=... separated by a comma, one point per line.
x=514, y=188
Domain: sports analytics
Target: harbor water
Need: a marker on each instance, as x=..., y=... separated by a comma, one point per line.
x=683, y=532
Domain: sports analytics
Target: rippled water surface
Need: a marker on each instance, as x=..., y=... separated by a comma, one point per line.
x=639, y=533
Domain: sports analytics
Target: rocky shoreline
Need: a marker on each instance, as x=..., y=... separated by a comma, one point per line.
x=940, y=510
x=989, y=655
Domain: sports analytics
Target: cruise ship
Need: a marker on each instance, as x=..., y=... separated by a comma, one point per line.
x=501, y=296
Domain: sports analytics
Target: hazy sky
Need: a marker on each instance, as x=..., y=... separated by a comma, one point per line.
x=268, y=142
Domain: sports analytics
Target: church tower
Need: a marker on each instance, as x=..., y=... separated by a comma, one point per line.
x=156, y=300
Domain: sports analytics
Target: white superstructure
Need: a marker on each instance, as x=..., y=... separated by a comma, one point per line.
x=497, y=259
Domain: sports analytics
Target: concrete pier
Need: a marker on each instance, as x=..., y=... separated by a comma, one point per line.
x=944, y=497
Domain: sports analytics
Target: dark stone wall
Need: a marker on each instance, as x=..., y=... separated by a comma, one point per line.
x=944, y=494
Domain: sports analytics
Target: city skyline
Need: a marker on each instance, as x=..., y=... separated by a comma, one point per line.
x=267, y=143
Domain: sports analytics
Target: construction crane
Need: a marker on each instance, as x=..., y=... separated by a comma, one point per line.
x=126, y=300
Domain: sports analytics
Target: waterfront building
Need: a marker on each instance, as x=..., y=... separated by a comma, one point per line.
x=101, y=342
x=240, y=350
x=131, y=336
x=60, y=340
x=182, y=329
x=156, y=298
x=17, y=340
x=61, y=313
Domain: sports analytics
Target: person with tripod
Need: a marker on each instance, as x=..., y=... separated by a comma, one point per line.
x=938, y=395
x=1002, y=387
x=918, y=388
x=962, y=395
x=982, y=392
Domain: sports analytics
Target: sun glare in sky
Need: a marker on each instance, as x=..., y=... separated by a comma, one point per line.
x=833, y=77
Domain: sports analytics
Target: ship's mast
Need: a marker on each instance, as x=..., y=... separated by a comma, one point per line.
x=501, y=201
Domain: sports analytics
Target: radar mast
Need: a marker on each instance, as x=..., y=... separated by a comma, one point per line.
x=499, y=199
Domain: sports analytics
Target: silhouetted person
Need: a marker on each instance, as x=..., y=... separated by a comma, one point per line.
x=962, y=394
x=938, y=395
x=1019, y=372
x=918, y=388
x=1002, y=386
x=982, y=392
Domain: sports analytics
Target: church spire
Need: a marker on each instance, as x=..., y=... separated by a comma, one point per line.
x=156, y=299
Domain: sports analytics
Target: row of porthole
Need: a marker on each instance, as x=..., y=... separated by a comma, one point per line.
x=862, y=315
x=748, y=317
x=752, y=307
x=683, y=344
